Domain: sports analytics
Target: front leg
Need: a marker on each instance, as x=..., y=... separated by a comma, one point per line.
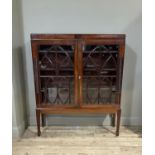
x=38, y=122
x=43, y=118
x=113, y=119
x=118, y=122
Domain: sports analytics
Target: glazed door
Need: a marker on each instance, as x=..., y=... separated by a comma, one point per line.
x=98, y=72
x=56, y=72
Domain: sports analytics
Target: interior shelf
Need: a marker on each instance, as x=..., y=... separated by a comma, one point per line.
x=71, y=52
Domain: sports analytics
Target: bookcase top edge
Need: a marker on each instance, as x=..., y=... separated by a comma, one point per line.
x=41, y=36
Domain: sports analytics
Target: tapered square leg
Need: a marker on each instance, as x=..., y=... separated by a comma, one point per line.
x=38, y=122
x=113, y=119
x=118, y=122
x=43, y=118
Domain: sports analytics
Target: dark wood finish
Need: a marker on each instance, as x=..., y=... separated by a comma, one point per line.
x=43, y=120
x=78, y=111
x=118, y=121
x=78, y=73
x=38, y=121
x=76, y=83
x=113, y=119
x=76, y=36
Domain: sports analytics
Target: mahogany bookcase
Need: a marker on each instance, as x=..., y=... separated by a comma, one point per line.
x=78, y=74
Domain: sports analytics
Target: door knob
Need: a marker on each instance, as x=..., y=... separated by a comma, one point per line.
x=79, y=77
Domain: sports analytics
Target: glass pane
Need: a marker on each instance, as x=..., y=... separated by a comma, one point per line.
x=99, y=74
x=57, y=74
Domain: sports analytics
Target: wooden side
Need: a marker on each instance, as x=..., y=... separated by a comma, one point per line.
x=34, y=47
x=120, y=71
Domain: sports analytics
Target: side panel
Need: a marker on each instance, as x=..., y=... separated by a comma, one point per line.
x=34, y=47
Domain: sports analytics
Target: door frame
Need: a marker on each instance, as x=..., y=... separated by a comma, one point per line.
x=35, y=43
x=81, y=43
